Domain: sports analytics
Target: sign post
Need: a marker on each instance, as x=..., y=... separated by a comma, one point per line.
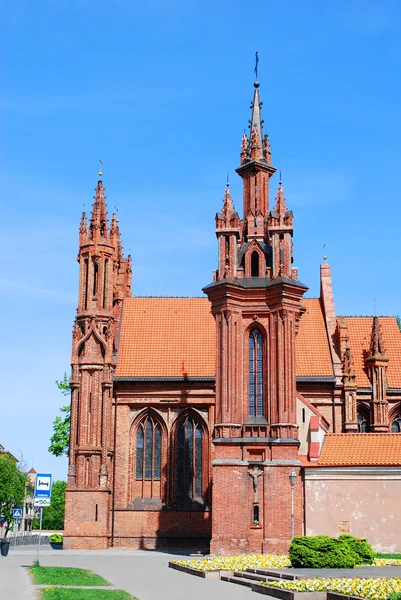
x=43, y=490
x=17, y=514
x=40, y=535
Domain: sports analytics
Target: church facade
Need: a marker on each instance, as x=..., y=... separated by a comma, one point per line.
x=216, y=422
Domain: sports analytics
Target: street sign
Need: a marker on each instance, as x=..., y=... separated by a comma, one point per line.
x=41, y=501
x=17, y=513
x=43, y=485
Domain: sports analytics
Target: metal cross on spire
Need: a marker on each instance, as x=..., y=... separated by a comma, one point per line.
x=256, y=65
x=101, y=167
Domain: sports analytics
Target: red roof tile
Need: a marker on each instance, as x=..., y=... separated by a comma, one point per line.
x=359, y=334
x=312, y=345
x=173, y=337
x=361, y=449
x=167, y=337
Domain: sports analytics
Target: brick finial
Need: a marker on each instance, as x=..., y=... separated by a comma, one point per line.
x=376, y=342
x=98, y=224
x=349, y=373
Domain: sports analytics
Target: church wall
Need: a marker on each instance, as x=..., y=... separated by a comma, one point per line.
x=362, y=501
x=147, y=513
x=151, y=530
x=234, y=528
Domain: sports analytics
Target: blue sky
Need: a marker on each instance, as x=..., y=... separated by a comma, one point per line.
x=161, y=90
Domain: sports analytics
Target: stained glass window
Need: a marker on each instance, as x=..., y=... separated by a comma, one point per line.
x=363, y=421
x=396, y=424
x=189, y=460
x=255, y=373
x=148, y=449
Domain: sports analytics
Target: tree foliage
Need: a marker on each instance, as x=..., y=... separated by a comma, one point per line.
x=60, y=440
x=53, y=515
x=12, y=489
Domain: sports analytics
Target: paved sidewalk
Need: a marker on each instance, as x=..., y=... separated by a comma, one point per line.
x=15, y=583
x=145, y=575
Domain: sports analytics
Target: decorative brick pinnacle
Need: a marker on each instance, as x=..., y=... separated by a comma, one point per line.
x=281, y=207
x=349, y=373
x=377, y=344
x=98, y=223
x=228, y=206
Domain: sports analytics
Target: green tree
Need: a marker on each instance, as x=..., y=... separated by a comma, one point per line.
x=12, y=489
x=60, y=440
x=53, y=515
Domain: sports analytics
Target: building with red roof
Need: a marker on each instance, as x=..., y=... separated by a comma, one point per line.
x=189, y=414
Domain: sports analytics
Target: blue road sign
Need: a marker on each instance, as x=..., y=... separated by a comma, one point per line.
x=43, y=485
x=17, y=513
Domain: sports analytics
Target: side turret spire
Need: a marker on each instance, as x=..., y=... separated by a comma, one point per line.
x=98, y=223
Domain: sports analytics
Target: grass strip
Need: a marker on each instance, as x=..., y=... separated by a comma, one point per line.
x=53, y=593
x=379, y=555
x=65, y=576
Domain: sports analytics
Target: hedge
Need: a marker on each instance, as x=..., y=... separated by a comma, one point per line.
x=324, y=552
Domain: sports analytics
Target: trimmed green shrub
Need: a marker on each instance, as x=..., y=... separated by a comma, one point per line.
x=363, y=551
x=321, y=552
x=56, y=538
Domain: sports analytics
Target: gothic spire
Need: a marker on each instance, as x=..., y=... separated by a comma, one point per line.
x=228, y=206
x=83, y=230
x=98, y=222
x=256, y=126
x=115, y=237
x=376, y=343
x=281, y=206
x=349, y=373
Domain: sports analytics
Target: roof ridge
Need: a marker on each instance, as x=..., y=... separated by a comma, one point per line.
x=366, y=316
x=354, y=434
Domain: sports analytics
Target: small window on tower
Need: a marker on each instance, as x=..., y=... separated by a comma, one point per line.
x=95, y=277
x=255, y=264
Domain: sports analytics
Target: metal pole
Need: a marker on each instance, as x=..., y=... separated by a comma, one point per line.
x=292, y=513
x=40, y=534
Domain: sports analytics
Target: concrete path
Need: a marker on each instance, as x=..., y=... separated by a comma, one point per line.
x=143, y=574
x=14, y=579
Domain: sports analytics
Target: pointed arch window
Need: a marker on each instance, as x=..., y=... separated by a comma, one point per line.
x=255, y=373
x=396, y=424
x=363, y=420
x=148, y=468
x=190, y=442
x=148, y=450
x=254, y=264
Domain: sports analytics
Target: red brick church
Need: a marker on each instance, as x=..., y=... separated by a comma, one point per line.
x=188, y=415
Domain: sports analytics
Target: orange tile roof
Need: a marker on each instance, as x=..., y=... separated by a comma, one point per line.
x=312, y=345
x=361, y=449
x=167, y=337
x=173, y=337
x=359, y=334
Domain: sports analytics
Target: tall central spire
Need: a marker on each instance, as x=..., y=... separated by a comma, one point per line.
x=256, y=126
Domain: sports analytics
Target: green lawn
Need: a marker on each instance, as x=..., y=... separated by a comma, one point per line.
x=65, y=576
x=378, y=555
x=63, y=593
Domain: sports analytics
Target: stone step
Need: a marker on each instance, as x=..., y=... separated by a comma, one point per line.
x=238, y=580
x=276, y=574
x=255, y=576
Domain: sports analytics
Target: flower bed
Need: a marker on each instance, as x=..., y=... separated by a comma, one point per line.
x=371, y=589
x=257, y=561
x=238, y=563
